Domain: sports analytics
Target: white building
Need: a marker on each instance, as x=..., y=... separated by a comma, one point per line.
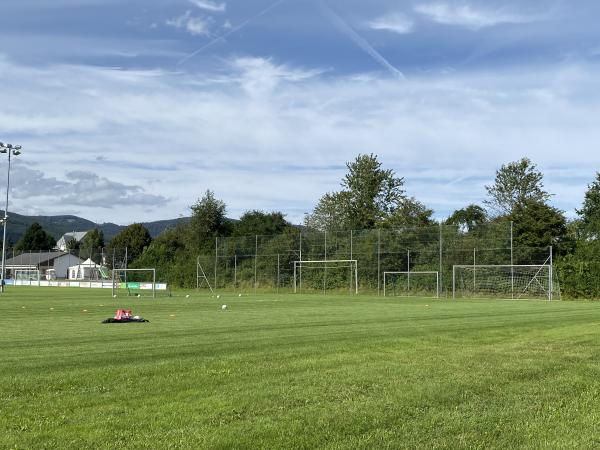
x=42, y=261
x=88, y=270
x=64, y=240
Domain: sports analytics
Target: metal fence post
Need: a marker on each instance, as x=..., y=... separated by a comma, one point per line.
x=255, y=262
x=512, y=263
x=441, y=271
x=216, y=258
x=551, y=281
x=378, y=261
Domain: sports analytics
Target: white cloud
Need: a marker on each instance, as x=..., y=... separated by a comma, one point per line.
x=79, y=188
x=209, y=5
x=259, y=76
x=196, y=26
x=269, y=136
x=471, y=17
x=395, y=23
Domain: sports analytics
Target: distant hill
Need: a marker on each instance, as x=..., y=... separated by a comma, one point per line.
x=59, y=225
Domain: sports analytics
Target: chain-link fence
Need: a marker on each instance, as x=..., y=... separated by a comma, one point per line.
x=300, y=260
x=324, y=260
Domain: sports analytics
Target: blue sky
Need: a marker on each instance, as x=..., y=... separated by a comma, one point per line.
x=130, y=110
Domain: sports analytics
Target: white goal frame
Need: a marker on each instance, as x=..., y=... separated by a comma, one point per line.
x=201, y=276
x=409, y=273
x=124, y=271
x=28, y=281
x=351, y=263
x=540, y=267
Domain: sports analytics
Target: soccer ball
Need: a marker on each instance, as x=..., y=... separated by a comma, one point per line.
x=187, y=296
x=224, y=307
x=218, y=296
x=239, y=295
x=115, y=296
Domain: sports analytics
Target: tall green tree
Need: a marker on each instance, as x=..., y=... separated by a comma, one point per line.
x=409, y=213
x=539, y=225
x=35, y=239
x=370, y=195
x=134, y=237
x=260, y=223
x=469, y=218
x=91, y=243
x=589, y=213
x=72, y=245
x=375, y=193
x=516, y=183
x=331, y=213
x=208, y=221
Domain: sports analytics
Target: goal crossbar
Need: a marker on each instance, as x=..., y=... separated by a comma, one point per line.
x=324, y=264
x=408, y=274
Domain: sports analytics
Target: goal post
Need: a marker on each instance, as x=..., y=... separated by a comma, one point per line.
x=129, y=280
x=412, y=284
x=325, y=266
x=27, y=277
x=531, y=281
x=201, y=277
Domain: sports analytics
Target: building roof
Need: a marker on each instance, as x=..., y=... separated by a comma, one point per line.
x=77, y=235
x=34, y=259
x=87, y=263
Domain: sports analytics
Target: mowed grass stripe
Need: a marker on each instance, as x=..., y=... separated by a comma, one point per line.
x=297, y=372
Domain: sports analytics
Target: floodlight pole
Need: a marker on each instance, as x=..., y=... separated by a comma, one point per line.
x=11, y=151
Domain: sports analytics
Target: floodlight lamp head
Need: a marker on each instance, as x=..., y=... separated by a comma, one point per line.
x=1, y=144
x=16, y=152
x=18, y=147
x=3, y=149
x=9, y=146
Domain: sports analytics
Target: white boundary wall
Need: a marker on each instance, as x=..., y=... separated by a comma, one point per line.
x=81, y=284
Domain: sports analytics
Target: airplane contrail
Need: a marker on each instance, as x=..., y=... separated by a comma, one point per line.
x=361, y=42
x=230, y=32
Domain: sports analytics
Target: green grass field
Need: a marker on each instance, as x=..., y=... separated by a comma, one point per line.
x=296, y=372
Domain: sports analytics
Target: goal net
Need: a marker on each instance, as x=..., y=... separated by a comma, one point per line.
x=27, y=277
x=411, y=284
x=134, y=282
x=503, y=281
x=323, y=275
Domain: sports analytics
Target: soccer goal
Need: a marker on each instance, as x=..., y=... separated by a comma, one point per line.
x=326, y=274
x=27, y=277
x=503, y=281
x=134, y=282
x=411, y=284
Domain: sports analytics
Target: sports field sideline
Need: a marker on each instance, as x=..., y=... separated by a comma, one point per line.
x=290, y=371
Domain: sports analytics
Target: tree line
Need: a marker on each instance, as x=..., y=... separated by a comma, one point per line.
x=373, y=197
